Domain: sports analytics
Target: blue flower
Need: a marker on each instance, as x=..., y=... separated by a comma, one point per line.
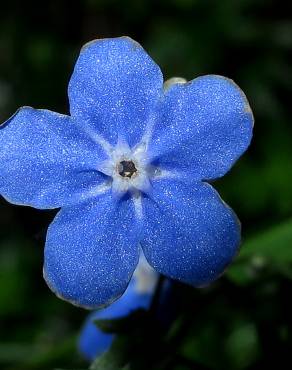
x=92, y=341
x=129, y=170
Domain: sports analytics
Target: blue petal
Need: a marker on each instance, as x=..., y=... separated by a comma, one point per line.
x=114, y=88
x=91, y=251
x=92, y=341
x=45, y=161
x=205, y=126
x=190, y=234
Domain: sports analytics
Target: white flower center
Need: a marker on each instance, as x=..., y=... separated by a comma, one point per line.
x=128, y=168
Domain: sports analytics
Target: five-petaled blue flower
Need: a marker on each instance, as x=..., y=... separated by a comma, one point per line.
x=128, y=168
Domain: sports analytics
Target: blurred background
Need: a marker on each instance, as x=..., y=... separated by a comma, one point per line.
x=244, y=321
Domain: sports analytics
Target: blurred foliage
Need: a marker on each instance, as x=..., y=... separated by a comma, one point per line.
x=244, y=320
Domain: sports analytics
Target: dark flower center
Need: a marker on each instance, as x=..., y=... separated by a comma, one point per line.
x=127, y=168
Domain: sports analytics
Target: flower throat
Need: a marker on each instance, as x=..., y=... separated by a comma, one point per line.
x=127, y=169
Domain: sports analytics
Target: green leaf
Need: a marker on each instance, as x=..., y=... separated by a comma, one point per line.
x=69, y=369
x=114, y=359
x=107, y=362
x=241, y=345
x=275, y=243
x=270, y=250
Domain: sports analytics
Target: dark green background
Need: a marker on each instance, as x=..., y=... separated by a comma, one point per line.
x=244, y=320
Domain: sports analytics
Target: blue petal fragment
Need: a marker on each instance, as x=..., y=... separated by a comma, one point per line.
x=190, y=234
x=91, y=251
x=206, y=124
x=93, y=341
x=114, y=88
x=45, y=161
